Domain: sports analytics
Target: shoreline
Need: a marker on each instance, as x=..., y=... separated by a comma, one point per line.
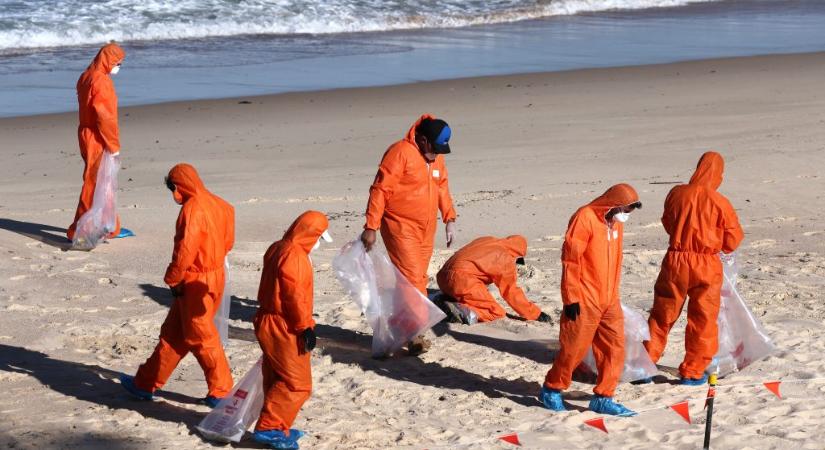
x=589, y=71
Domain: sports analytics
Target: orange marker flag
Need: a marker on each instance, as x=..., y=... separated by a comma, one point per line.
x=511, y=438
x=597, y=423
x=683, y=409
x=773, y=386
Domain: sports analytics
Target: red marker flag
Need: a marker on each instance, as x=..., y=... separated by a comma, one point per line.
x=511, y=438
x=597, y=423
x=711, y=394
x=773, y=386
x=682, y=409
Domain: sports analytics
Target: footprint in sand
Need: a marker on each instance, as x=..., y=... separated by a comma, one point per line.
x=763, y=243
x=551, y=238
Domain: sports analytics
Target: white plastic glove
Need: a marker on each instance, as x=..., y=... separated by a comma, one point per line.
x=450, y=230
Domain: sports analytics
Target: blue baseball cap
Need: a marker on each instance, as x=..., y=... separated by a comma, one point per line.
x=437, y=133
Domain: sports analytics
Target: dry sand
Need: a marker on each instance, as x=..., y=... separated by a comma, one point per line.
x=528, y=150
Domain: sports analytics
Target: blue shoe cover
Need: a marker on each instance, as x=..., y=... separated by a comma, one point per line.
x=211, y=401
x=124, y=233
x=128, y=383
x=606, y=405
x=276, y=439
x=551, y=399
x=296, y=434
x=694, y=381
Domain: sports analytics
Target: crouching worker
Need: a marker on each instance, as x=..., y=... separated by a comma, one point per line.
x=205, y=233
x=591, y=271
x=285, y=328
x=466, y=275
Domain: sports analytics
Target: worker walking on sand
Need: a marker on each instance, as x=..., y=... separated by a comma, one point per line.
x=592, y=317
x=205, y=233
x=701, y=223
x=484, y=261
x=98, y=130
x=286, y=330
x=409, y=189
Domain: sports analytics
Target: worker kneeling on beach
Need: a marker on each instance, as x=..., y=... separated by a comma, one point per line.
x=592, y=317
x=701, y=223
x=409, y=189
x=286, y=330
x=205, y=234
x=484, y=261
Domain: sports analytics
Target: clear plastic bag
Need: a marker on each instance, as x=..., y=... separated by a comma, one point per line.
x=222, y=314
x=237, y=411
x=395, y=310
x=101, y=219
x=742, y=339
x=637, y=363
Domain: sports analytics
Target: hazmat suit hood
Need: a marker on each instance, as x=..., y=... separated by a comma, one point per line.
x=307, y=229
x=516, y=245
x=709, y=170
x=410, y=137
x=108, y=56
x=186, y=180
x=618, y=195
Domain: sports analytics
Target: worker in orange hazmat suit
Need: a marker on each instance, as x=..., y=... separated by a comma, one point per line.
x=701, y=223
x=98, y=129
x=285, y=328
x=484, y=261
x=410, y=188
x=205, y=234
x=591, y=273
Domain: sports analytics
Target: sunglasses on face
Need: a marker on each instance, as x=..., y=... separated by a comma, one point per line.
x=171, y=186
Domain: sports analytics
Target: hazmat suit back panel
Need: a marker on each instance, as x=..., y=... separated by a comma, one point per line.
x=285, y=296
x=484, y=261
x=701, y=223
x=591, y=273
x=204, y=235
x=404, y=201
x=98, y=129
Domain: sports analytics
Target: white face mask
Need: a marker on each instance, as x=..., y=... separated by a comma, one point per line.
x=621, y=217
x=325, y=237
x=115, y=70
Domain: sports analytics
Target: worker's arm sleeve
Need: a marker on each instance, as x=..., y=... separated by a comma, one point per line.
x=386, y=180
x=445, y=200
x=192, y=232
x=733, y=233
x=572, y=260
x=514, y=296
x=667, y=220
x=230, y=229
x=297, y=305
x=104, y=102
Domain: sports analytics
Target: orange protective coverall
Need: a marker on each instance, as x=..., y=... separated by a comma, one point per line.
x=205, y=233
x=404, y=202
x=591, y=272
x=701, y=223
x=487, y=260
x=97, y=131
x=284, y=312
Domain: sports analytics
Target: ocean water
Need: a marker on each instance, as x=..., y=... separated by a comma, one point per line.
x=193, y=49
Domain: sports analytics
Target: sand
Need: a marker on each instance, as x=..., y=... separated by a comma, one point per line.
x=527, y=151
